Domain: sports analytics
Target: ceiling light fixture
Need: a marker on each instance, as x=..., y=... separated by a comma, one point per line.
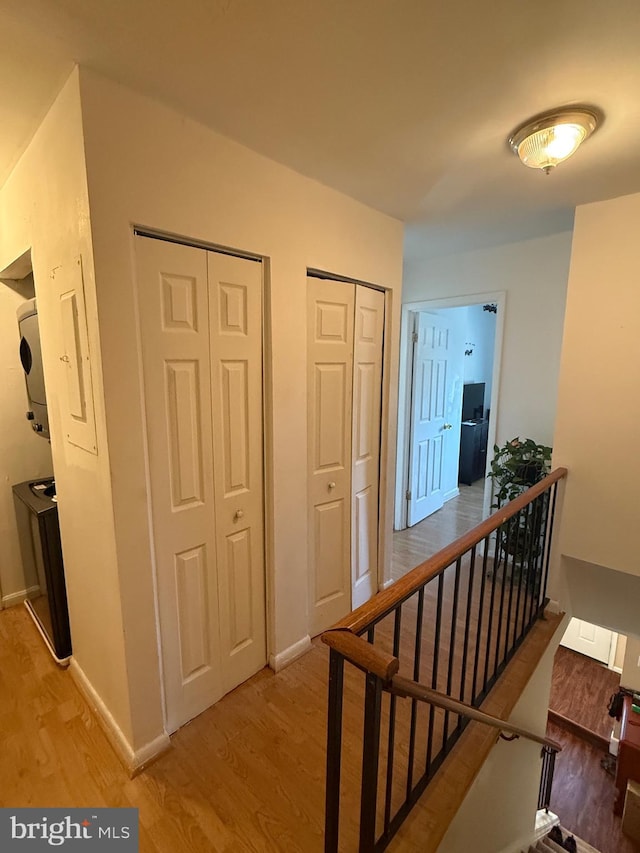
x=549, y=138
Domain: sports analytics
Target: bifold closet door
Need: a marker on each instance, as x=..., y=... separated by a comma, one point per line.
x=330, y=384
x=345, y=339
x=235, y=314
x=367, y=399
x=200, y=325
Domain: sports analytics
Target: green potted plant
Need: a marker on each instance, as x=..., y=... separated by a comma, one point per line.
x=515, y=467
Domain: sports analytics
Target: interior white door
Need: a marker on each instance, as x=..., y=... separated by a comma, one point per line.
x=367, y=394
x=330, y=379
x=235, y=322
x=432, y=352
x=590, y=640
x=203, y=625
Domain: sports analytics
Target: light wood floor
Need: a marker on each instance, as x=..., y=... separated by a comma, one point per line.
x=457, y=516
x=247, y=775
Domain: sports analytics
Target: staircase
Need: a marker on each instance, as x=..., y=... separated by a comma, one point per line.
x=547, y=845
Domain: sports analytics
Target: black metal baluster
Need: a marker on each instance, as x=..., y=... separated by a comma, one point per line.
x=537, y=582
x=371, y=634
x=467, y=625
x=480, y=619
x=510, y=522
x=434, y=674
x=532, y=554
x=514, y=559
x=525, y=543
x=452, y=646
x=370, y=757
x=548, y=549
x=334, y=752
x=392, y=726
x=417, y=650
x=496, y=562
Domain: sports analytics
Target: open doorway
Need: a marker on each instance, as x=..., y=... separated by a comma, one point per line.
x=448, y=348
x=30, y=549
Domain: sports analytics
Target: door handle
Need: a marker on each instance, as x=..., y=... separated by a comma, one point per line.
x=238, y=515
x=447, y=426
x=331, y=486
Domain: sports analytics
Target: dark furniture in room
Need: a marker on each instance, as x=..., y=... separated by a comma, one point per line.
x=39, y=534
x=628, y=764
x=473, y=450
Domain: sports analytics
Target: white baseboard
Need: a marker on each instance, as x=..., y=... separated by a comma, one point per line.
x=133, y=760
x=452, y=493
x=14, y=598
x=554, y=606
x=279, y=661
x=389, y=582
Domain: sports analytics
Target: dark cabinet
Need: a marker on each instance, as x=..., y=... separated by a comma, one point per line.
x=628, y=763
x=473, y=451
x=37, y=519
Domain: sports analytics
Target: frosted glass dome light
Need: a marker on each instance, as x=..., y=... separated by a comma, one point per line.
x=548, y=139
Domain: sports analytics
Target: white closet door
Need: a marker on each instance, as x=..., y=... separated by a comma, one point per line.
x=367, y=394
x=330, y=377
x=172, y=289
x=235, y=311
x=198, y=615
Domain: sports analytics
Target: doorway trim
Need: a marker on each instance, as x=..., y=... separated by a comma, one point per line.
x=404, y=388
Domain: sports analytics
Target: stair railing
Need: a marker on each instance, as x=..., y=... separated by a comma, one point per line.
x=546, y=776
x=443, y=635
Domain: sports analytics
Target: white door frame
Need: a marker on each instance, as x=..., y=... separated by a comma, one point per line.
x=404, y=388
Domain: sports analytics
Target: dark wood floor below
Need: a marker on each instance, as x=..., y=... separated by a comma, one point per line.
x=581, y=689
x=583, y=794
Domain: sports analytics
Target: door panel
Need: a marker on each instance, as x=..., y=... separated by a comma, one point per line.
x=588, y=639
x=200, y=322
x=172, y=290
x=367, y=398
x=235, y=306
x=431, y=359
x=330, y=377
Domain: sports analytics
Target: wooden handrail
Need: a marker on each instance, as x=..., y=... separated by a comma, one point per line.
x=384, y=602
x=365, y=656
x=362, y=654
x=405, y=688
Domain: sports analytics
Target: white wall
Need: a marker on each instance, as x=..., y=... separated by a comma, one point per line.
x=23, y=454
x=596, y=593
x=149, y=166
x=599, y=390
x=44, y=206
x=499, y=811
x=480, y=332
x=533, y=274
x=631, y=665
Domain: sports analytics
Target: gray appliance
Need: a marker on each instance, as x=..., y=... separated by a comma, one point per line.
x=31, y=358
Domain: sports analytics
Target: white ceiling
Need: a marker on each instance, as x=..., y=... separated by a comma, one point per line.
x=403, y=104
